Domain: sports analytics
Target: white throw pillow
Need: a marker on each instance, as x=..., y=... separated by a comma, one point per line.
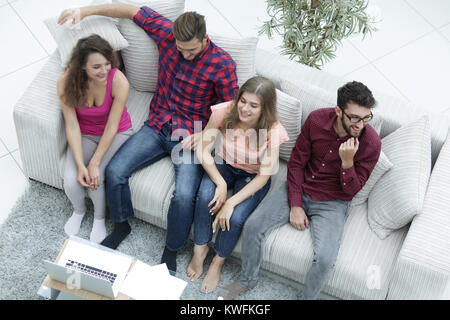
x=383, y=165
x=312, y=98
x=290, y=115
x=398, y=195
x=141, y=56
x=66, y=38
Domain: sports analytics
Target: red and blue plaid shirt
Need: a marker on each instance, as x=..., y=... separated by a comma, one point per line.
x=186, y=89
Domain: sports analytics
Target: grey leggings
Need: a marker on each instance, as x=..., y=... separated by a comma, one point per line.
x=74, y=190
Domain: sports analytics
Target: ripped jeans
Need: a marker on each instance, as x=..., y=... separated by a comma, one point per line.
x=225, y=240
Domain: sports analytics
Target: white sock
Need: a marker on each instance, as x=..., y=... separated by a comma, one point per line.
x=72, y=225
x=98, y=233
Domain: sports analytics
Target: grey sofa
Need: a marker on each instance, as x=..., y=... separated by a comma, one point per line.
x=411, y=263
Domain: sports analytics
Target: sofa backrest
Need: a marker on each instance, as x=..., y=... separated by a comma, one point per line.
x=394, y=112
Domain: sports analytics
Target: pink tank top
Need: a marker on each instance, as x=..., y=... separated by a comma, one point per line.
x=92, y=120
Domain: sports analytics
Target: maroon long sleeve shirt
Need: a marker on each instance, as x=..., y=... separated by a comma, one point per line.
x=316, y=168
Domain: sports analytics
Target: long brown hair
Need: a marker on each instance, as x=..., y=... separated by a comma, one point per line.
x=264, y=89
x=76, y=82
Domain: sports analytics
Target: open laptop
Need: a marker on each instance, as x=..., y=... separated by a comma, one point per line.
x=80, y=279
x=83, y=265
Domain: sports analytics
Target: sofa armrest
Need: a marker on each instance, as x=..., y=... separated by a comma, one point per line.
x=40, y=126
x=422, y=270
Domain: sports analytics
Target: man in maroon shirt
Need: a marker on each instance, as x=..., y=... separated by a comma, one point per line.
x=333, y=157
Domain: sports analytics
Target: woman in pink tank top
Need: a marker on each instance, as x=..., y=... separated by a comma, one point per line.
x=93, y=93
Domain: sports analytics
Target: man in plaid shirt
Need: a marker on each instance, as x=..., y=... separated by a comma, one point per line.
x=193, y=75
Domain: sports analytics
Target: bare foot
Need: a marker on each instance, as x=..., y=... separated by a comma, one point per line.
x=212, y=277
x=194, y=269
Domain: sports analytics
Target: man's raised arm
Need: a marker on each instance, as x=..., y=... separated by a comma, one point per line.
x=74, y=15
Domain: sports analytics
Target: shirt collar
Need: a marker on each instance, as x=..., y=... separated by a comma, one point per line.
x=330, y=121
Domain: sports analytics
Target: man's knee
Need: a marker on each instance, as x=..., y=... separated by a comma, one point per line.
x=325, y=259
x=205, y=193
x=113, y=174
x=252, y=227
x=185, y=194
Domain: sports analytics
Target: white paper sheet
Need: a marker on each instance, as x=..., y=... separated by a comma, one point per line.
x=145, y=282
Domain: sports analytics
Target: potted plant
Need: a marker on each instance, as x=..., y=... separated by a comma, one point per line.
x=313, y=29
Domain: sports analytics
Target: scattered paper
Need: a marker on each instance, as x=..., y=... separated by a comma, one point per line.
x=145, y=282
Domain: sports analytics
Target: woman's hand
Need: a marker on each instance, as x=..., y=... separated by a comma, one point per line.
x=94, y=174
x=83, y=177
x=223, y=217
x=220, y=196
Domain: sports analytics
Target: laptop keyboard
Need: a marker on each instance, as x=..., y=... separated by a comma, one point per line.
x=102, y=274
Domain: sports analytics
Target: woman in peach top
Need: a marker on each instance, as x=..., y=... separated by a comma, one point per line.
x=249, y=138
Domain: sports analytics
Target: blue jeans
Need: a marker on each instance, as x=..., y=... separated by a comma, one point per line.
x=139, y=151
x=326, y=221
x=225, y=240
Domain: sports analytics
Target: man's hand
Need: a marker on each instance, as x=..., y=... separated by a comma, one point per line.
x=298, y=218
x=192, y=141
x=347, y=152
x=70, y=17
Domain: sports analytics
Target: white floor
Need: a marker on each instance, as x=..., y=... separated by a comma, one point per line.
x=408, y=57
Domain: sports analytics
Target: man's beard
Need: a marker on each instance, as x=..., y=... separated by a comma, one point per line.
x=347, y=129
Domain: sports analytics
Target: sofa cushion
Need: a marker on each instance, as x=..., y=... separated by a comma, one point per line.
x=138, y=106
x=423, y=266
x=66, y=38
x=290, y=115
x=310, y=96
x=398, y=195
x=151, y=192
x=383, y=165
x=141, y=56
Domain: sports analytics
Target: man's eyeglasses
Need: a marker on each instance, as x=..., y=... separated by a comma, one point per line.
x=354, y=119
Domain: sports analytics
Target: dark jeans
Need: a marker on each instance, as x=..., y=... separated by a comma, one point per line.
x=139, y=151
x=225, y=240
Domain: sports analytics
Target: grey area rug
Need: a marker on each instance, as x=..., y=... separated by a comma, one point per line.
x=34, y=232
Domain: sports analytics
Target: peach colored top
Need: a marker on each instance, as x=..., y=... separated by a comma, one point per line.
x=240, y=147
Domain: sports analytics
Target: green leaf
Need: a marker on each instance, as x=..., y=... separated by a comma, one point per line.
x=312, y=36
